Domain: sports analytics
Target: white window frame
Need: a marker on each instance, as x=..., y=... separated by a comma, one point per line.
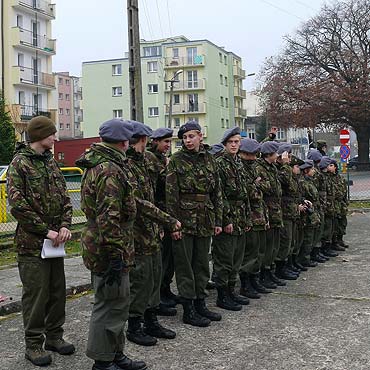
x=152, y=66
x=116, y=69
x=117, y=91
x=117, y=113
x=151, y=89
x=61, y=111
x=153, y=111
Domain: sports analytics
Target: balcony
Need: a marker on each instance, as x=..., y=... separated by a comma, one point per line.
x=240, y=112
x=187, y=85
x=194, y=61
x=27, y=39
x=32, y=77
x=240, y=93
x=196, y=108
x=43, y=7
x=29, y=111
x=238, y=72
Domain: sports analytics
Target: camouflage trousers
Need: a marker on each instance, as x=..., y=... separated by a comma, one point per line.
x=191, y=265
x=168, y=268
x=255, y=245
x=340, y=225
x=227, y=252
x=272, y=246
x=297, y=239
x=145, y=283
x=43, y=298
x=307, y=244
x=287, y=233
x=327, y=234
x=108, y=318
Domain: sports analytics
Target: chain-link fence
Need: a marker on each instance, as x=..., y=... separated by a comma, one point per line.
x=359, y=184
x=8, y=223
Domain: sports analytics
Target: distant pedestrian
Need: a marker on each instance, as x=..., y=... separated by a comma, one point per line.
x=40, y=203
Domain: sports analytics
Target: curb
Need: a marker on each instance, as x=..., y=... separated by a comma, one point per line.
x=16, y=306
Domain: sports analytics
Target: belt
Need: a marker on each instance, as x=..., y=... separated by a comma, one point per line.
x=194, y=197
x=236, y=202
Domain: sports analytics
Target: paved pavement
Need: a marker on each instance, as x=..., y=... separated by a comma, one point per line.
x=319, y=322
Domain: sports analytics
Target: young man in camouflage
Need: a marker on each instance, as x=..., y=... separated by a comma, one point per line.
x=110, y=206
x=194, y=196
x=160, y=146
x=40, y=203
x=271, y=188
x=228, y=246
x=146, y=275
x=256, y=237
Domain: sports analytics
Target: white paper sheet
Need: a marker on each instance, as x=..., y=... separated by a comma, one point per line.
x=48, y=251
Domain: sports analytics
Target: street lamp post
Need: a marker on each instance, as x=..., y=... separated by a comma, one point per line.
x=172, y=81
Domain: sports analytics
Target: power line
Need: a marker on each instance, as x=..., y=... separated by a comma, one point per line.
x=146, y=12
x=169, y=18
x=281, y=9
x=159, y=18
x=306, y=5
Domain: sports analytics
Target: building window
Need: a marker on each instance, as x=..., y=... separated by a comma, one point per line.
x=220, y=56
x=153, y=88
x=176, y=99
x=67, y=96
x=153, y=111
x=221, y=79
x=60, y=96
x=226, y=103
x=195, y=119
x=152, y=51
x=68, y=112
x=177, y=122
x=67, y=82
x=153, y=66
x=68, y=126
x=221, y=101
x=175, y=53
x=117, y=91
x=19, y=21
x=226, y=83
x=225, y=59
x=178, y=144
x=280, y=134
x=227, y=124
x=60, y=110
x=117, y=113
x=251, y=132
x=192, y=79
x=222, y=123
x=192, y=54
x=21, y=60
x=61, y=126
x=60, y=156
x=117, y=69
x=60, y=81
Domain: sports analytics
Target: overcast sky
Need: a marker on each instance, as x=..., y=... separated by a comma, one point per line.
x=253, y=29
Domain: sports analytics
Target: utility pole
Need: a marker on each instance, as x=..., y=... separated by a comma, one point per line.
x=136, y=96
x=172, y=81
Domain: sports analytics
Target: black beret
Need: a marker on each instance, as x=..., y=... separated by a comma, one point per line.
x=188, y=126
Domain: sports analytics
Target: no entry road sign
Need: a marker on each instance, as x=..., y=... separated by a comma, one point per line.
x=344, y=137
x=344, y=151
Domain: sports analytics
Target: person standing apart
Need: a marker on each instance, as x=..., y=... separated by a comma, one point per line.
x=40, y=203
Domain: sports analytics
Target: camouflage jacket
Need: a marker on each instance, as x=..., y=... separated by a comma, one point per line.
x=157, y=163
x=236, y=209
x=38, y=198
x=193, y=191
x=259, y=211
x=320, y=183
x=107, y=198
x=146, y=229
x=330, y=193
x=310, y=192
x=271, y=188
x=341, y=196
x=290, y=192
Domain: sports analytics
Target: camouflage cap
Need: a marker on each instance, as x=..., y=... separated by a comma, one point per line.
x=216, y=148
x=314, y=155
x=188, y=126
x=250, y=146
x=229, y=133
x=140, y=129
x=321, y=143
x=284, y=147
x=116, y=130
x=162, y=133
x=324, y=162
x=307, y=164
x=269, y=147
x=295, y=161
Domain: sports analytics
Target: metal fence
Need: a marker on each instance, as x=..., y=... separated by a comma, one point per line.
x=358, y=185
x=8, y=223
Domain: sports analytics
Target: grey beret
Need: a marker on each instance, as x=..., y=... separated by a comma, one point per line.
x=230, y=132
x=250, y=146
x=140, y=129
x=269, y=147
x=162, y=133
x=314, y=154
x=307, y=164
x=333, y=161
x=285, y=147
x=116, y=130
x=325, y=161
x=188, y=126
x=216, y=148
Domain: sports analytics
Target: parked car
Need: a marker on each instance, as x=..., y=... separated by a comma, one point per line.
x=353, y=163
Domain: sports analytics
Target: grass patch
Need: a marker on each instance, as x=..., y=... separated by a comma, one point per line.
x=359, y=204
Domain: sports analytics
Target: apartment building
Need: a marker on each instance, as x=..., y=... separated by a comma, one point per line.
x=207, y=85
x=69, y=96
x=27, y=48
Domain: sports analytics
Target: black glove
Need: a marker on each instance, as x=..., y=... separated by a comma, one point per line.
x=114, y=272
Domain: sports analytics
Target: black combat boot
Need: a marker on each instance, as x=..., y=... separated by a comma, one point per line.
x=327, y=251
x=309, y=263
x=246, y=287
x=125, y=363
x=135, y=333
x=153, y=328
x=275, y=279
x=266, y=280
x=244, y=301
x=297, y=264
x=283, y=273
x=342, y=242
x=105, y=365
x=163, y=310
x=255, y=281
x=201, y=308
x=315, y=256
x=291, y=266
x=191, y=316
x=168, y=298
x=335, y=246
x=225, y=301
